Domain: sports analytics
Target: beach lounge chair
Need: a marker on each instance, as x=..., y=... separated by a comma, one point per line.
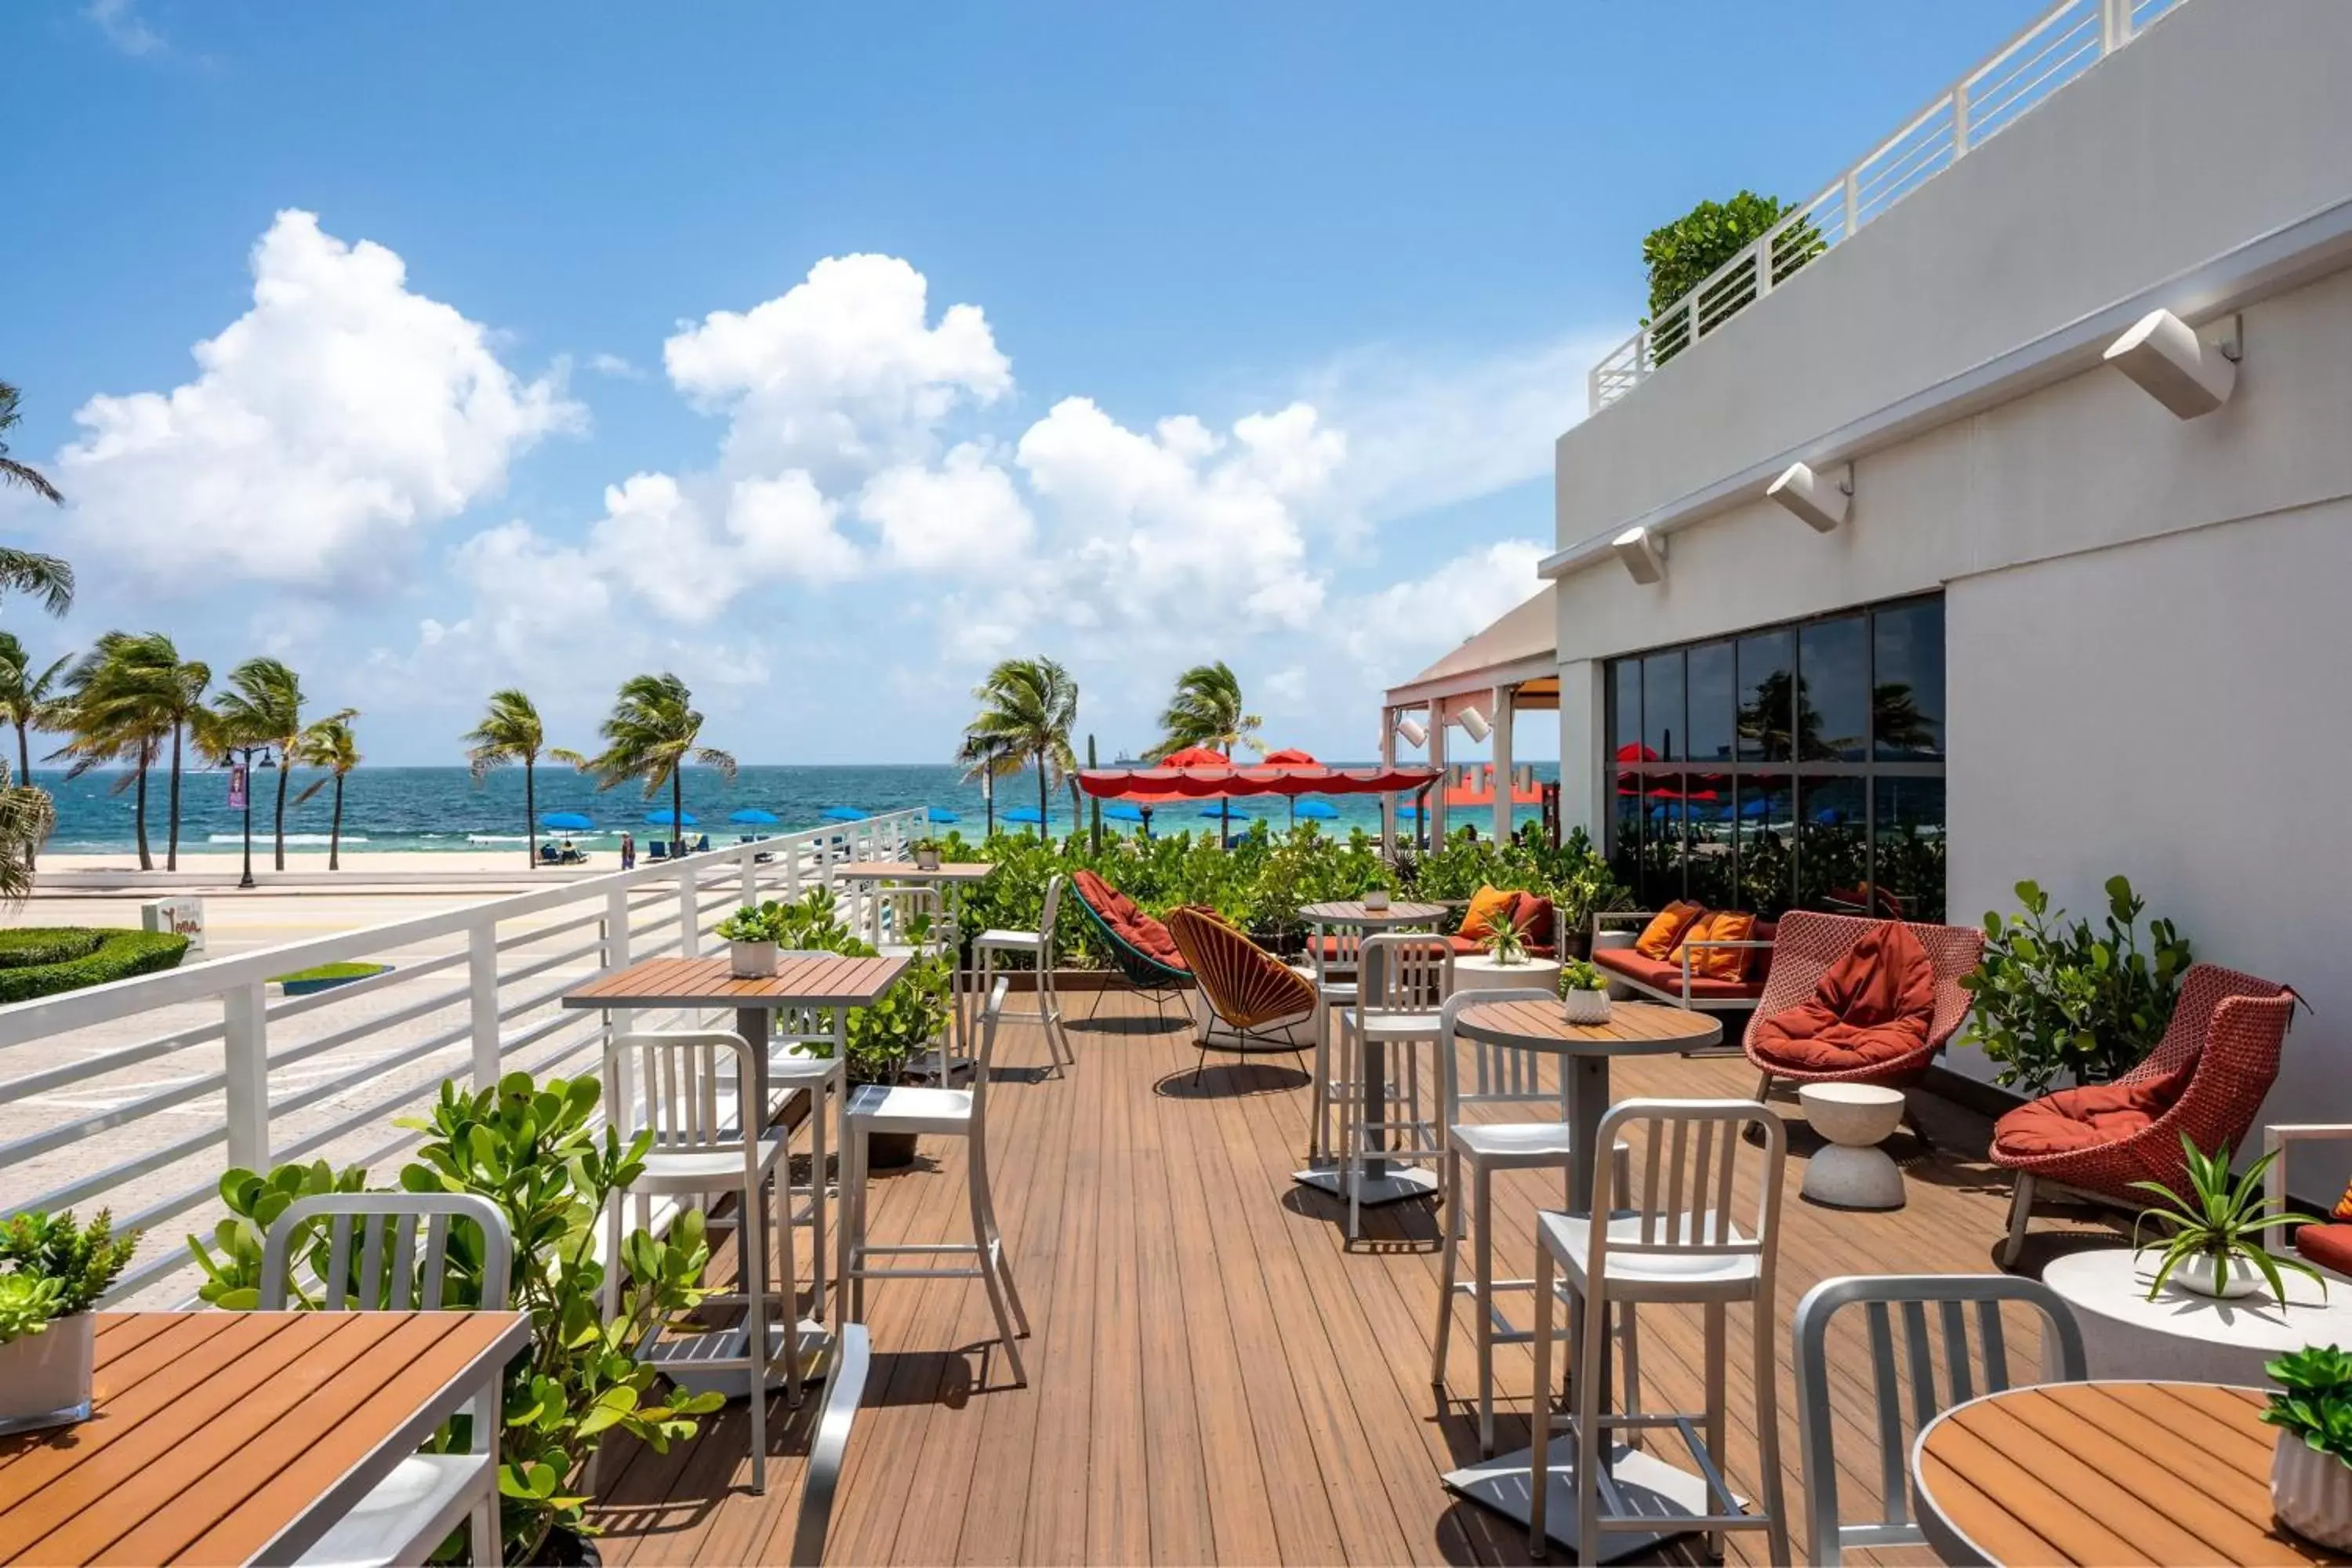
x=702, y=844
x=658, y=850
x=549, y=856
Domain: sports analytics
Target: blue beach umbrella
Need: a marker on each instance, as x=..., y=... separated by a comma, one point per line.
x=1121, y=811
x=661, y=818
x=842, y=814
x=566, y=822
x=1317, y=811
x=1025, y=813
x=941, y=814
x=751, y=814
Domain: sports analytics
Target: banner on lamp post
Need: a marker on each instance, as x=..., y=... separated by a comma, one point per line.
x=237, y=788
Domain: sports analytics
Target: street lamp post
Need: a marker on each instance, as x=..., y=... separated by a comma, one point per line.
x=244, y=755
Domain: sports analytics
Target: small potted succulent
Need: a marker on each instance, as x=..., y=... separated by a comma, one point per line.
x=1583, y=992
x=2311, y=1468
x=1506, y=944
x=2214, y=1247
x=750, y=934
x=927, y=854
x=52, y=1272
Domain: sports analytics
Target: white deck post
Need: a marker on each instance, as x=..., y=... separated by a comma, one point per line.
x=690, y=920
x=1436, y=797
x=1502, y=763
x=751, y=870
x=482, y=971
x=1388, y=799
x=245, y=1047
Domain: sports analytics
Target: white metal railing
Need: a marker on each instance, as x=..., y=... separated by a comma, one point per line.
x=2066, y=42
x=139, y=1095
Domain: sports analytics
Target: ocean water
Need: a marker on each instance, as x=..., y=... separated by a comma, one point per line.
x=428, y=809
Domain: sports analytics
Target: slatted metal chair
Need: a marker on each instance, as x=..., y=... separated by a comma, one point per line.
x=1038, y=947
x=1400, y=989
x=844, y=1387
x=1827, y=1536
x=393, y=1252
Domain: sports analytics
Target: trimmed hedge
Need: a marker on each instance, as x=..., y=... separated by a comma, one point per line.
x=33, y=946
x=115, y=955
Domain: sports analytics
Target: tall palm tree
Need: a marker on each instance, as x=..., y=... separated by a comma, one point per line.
x=26, y=571
x=13, y=473
x=985, y=761
x=27, y=814
x=1027, y=707
x=1206, y=709
x=263, y=707
x=115, y=715
x=653, y=733
x=27, y=702
x=330, y=744
x=511, y=732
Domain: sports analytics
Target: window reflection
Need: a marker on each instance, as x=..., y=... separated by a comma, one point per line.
x=1907, y=848
x=1625, y=708
x=1766, y=662
x=1662, y=706
x=1832, y=847
x=1832, y=691
x=1906, y=693
x=1766, y=842
x=1712, y=703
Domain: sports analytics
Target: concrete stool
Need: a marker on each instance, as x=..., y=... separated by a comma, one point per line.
x=1853, y=1172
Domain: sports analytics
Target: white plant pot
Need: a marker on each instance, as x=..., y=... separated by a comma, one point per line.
x=2195, y=1276
x=752, y=960
x=2311, y=1492
x=45, y=1377
x=1376, y=901
x=927, y=860
x=1585, y=1006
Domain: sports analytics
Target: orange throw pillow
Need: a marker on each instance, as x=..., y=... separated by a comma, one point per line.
x=1718, y=962
x=1666, y=927
x=1488, y=906
x=2343, y=1209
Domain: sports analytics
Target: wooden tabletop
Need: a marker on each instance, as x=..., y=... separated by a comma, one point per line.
x=220, y=1434
x=1633, y=1028
x=1355, y=913
x=826, y=981
x=2103, y=1472
x=907, y=871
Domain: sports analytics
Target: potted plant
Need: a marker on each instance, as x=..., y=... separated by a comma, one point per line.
x=2311, y=1468
x=1376, y=898
x=1505, y=944
x=2214, y=1247
x=52, y=1272
x=750, y=935
x=927, y=854
x=1583, y=992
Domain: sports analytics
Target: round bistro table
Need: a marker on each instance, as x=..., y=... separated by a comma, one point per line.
x=2103, y=1472
x=1380, y=1184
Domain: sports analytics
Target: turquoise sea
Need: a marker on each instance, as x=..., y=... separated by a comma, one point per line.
x=427, y=809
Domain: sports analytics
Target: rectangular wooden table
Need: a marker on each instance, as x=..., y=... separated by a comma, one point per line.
x=239, y=1436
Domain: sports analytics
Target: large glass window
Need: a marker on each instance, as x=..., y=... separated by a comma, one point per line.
x=1798, y=766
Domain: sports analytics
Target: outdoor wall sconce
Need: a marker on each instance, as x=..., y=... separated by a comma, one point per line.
x=2166, y=359
x=1474, y=721
x=1644, y=554
x=1415, y=732
x=1818, y=500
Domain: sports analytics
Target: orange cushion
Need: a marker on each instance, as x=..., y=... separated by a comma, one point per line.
x=2089, y=1117
x=2329, y=1246
x=1665, y=930
x=1668, y=976
x=2343, y=1209
x=1718, y=962
x=1488, y=906
x=1873, y=1006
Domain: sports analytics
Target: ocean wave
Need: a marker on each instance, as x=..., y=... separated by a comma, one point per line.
x=320, y=839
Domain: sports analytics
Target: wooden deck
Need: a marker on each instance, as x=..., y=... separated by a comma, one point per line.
x=1214, y=1374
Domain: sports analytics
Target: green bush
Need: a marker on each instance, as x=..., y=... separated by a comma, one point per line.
x=1683, y=253
x=31, y=947
x=117, y=956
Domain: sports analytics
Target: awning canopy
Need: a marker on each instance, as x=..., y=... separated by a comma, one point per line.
x=1276, y=778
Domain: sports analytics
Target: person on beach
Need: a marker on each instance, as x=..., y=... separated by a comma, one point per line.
x=628, y=851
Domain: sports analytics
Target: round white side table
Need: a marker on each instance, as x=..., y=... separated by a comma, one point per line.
x=1479, y=972
x=2181, y=1335
x=1853, y=1172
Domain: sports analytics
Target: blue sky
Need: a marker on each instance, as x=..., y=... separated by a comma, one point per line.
x=827, y=355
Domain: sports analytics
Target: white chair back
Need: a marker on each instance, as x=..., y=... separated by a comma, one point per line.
x=845, y=1388
x=1500, y=1075
x=1686, y=1201
x=992, y=1013
x=690, y=1102
x=896, y=906
x=1404, y=972
x=372, y=1258
x=1053, y=911
x=1910, y=1296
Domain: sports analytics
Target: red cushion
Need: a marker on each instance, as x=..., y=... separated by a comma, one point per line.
x=2090, y=1117
x=1668, y=976
x=1533, y=917
x=1873, y=1006
x=1109, y=901
x=2329, y=1246
x=1151, y=938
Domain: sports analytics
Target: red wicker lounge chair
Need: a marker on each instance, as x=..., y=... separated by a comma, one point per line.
x=2206, y=1079
x=1261, y=1001
x=1806, y=946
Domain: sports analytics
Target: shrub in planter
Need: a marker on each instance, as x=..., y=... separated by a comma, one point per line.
x=2311, y=1469
x=2054, y=1000
x=52, y=1272
x=114, y=955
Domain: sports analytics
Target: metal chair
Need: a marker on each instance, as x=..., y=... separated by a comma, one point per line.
x=1401, y=988
x=1678, y=1244
x=1502, y=1075
x=411, y=1510
x=705, y=1144
x=1038, y=945
x=945, y=1113
x=1333, y=961
x=1827, y=1538
x=844, y=1386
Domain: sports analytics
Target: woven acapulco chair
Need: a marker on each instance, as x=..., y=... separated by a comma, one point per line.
x=1260, y=1000
x=2226, y=1033
x=1808, y=945
x=1155, y=976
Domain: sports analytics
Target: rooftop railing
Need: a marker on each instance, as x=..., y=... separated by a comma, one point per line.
x=2027, y=70
x=139, y=1095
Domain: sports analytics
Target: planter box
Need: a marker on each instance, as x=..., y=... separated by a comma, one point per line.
x=45, y=1377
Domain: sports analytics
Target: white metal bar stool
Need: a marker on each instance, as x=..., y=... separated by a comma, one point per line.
x=1400, y=987
x=1678, y=1244
x=946, y=1113
x=704, y=1144
x=1039, y=946
x=409, y=1512
x=1502, y=1075
x=1333, y=959
x=804, y=1058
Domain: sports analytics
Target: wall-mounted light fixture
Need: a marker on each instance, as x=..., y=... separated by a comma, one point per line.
x=1415, y=731
x=1471, y=720
x=1817, y=500
x=1642, y=552
x=2166, y=359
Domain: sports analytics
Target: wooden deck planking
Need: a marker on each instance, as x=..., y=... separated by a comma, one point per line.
x=1213, y=1373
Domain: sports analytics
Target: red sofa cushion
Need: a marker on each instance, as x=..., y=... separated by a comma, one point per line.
x=1668, y=976
x=2329, y=1246
x=1873, y=1006
x=1534, y=918
x=2089, y=1117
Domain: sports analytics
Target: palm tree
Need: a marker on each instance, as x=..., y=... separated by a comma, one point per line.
x=27, y=702
x=13, y=473
x=330, y=744
x=264, y=708
x=983, y=762
x=1027, y=707
x=26, y=570
x=27, y=814
x=652, y=733
x=511, y=732
x=1206, y=709
x=114, y=711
